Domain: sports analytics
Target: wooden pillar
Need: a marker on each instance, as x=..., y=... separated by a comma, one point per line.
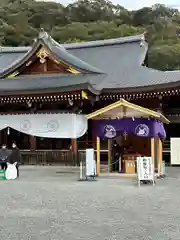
x=98, y=155
x=156, y=153
x=160, y=156
x=74, y=145
x=74, y=150
x=152, y=151
x=32, y=143
x=109, y=155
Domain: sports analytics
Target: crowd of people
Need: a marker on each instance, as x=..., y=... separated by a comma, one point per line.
x=10, y=156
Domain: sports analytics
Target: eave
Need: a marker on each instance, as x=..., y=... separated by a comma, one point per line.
x=49, y=84
x=139, y=94
x=61, y=90
x=155, y=87
x=47, y=97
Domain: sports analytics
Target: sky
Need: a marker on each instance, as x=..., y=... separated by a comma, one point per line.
x=135, y=4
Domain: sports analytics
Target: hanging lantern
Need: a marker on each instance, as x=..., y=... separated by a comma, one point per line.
x=8, y=131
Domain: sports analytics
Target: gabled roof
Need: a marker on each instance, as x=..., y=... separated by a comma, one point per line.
x=122, y=109
x=123, y=64
x=57, y=50
x=9, y=54
x=119, y=61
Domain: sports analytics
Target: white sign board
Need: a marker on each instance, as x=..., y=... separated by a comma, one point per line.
x=145, y=169
x=175, y=151
x=90, y=163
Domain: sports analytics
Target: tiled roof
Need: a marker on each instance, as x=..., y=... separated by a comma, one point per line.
x=123, y=65
x=118, y=60
x=47, y=83
x=69, y=46
x=58, y=51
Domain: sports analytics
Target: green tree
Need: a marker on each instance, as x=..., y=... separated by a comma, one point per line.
x=165, y=57
x=91, y=10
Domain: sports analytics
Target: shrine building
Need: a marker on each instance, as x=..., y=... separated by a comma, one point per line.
x=50, y=77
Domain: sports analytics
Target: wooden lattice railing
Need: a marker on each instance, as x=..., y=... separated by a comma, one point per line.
x=51, y=157
x=64, y=157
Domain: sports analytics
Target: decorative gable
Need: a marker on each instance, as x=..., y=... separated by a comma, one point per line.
x=43, y=63
x=45, y=57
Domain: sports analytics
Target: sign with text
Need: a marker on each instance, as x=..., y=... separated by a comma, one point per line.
x=145, y=169
x=175, y=151
x=90, y=163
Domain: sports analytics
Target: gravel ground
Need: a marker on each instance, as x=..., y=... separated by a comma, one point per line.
x=46, y=205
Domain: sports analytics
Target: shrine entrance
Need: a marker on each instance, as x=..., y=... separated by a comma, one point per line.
x=43, y=138
x=139, y=131
x=9, y=135
x=25, y=141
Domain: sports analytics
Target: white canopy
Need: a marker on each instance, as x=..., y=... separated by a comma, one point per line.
x=47, y=125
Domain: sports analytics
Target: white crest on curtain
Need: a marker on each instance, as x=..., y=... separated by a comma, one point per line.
x=47, y=125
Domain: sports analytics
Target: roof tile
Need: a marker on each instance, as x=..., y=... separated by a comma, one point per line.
x=120, y=59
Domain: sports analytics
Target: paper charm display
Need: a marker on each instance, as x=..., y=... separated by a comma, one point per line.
x=11, y=171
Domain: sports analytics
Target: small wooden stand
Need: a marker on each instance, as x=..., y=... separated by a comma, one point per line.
x=130, y=163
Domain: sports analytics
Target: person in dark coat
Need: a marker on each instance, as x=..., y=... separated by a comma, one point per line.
x=116, y=151
x=4, y=155
x=15, y=157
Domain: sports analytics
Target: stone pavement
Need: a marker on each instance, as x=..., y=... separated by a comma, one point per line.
x=46, y=205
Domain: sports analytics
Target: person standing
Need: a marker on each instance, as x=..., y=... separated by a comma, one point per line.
x=4, y=155
x=115, y=156
x=15, y=157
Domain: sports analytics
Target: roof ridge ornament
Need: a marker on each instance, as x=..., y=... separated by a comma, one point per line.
x=43, y=34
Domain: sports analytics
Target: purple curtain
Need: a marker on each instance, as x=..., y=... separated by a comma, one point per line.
x=142, y=127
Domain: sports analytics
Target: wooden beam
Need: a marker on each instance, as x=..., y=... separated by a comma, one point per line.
x=98, y=155
x=160, y=157
x=152, y=151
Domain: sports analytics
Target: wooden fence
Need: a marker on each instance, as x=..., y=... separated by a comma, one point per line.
x=64, y=157
x=51, y=157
